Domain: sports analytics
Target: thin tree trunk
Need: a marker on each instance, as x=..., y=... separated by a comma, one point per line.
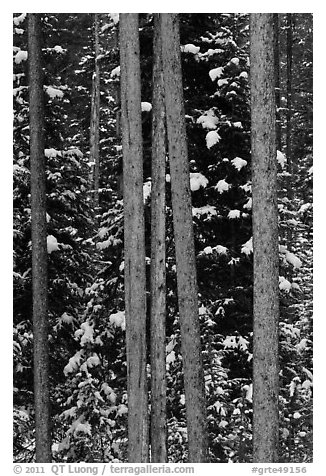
x=134, y=239
x=158, y=280
x=95, y=120
x=277, y=80
x=184, y=241
x=116, y=92
x=265, y=241
x=39, y=245
x=289, y=42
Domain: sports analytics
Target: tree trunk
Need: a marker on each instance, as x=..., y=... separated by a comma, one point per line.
x=184, y=240
x=265, y=241
x=158, y=280
x=116, y=93
x=289, y=42
x=134, y=239
x=95, y=120
x=39, y=243
x=277, y=80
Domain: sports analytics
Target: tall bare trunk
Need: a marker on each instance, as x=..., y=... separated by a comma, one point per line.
x=184, y=240
x=265, y=241
x=116, y=93
x=289, y=42
x=95, y=120
x=158, y=280
x=134, y=239
x=277, y=80
x=39, y=246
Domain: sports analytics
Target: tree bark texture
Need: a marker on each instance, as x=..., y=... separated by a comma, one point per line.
x=289, y=44
x=277, y=80
x=158, y=272
x=113, y=87
x=134, y=239
x=184, y=241
x=95, y=119
x=39, y=243
x=265, y=241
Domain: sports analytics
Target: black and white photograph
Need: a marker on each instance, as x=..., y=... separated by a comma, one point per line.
x=163, y=242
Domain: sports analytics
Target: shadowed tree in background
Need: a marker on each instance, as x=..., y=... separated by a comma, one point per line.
x=184, y=240
x=134, y=239
x=265, y=241
x=95, y=120
x=39, y=243
x=289, y=48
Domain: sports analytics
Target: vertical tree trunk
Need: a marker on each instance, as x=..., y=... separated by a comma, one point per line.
x=265, y=241
x=117, y=90
x=134, y=239
x=289, y=42
x=158, y=282
x=39, y=246
x=95, y=120
x=184, y=240
x=116, y=93
x=277, y=80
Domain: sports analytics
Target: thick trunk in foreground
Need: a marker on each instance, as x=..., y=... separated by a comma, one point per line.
x=39, y=246
x=184, y=241
x=158, y=280
x=95, y=121
x=265, y=241
x=134, y=239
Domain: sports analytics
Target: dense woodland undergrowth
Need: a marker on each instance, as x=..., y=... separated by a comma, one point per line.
x=85, y=244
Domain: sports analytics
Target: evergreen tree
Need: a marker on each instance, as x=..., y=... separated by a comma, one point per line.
x=184, y=241
x=158, y=265
x=39, y=244
x=86, y=268
x=265, y=241
x=134, y=240
x=95, y=119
